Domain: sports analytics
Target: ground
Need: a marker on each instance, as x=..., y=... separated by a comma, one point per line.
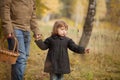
x=102, y=63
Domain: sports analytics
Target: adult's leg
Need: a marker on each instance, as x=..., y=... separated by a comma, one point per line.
x=27, y=40
x=18, y=69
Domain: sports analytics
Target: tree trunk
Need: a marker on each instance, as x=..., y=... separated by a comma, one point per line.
x=88, y=25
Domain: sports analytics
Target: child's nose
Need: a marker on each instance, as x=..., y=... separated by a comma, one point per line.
x=64, y=32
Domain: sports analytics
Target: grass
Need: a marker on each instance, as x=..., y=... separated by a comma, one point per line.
x=102, y=63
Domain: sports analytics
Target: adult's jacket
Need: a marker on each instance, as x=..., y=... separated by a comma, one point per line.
x=18, y=14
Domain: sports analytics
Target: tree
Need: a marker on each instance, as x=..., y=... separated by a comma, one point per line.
x=68, y=7
x=88, y=26
x=79, y=11
x=47, y=8
x=40, y=8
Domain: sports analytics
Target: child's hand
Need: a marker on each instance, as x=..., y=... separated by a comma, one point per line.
x=38, y=36
x=87, y=50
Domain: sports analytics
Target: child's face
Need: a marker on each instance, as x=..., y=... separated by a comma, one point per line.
x=62, y=31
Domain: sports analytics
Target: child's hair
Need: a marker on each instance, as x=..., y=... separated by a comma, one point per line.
x=57, y=25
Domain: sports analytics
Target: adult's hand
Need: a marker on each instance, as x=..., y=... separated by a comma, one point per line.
x=10, y=35
x=38, y=36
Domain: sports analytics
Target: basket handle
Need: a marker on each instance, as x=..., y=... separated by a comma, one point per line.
x=15, y=44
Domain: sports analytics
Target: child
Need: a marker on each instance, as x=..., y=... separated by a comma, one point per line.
x=57, y=61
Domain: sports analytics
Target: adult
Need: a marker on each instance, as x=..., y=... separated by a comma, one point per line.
x=18, y=18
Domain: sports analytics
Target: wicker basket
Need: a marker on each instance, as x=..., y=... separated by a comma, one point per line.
x=9, y=56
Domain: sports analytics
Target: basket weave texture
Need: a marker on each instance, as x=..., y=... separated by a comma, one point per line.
x=9, y=56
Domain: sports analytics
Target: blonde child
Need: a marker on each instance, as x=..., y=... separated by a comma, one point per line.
x=57, y=61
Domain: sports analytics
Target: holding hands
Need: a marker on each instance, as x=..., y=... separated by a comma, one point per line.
x=38, y=36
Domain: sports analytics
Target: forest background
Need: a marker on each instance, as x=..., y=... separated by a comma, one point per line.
x=102, y=63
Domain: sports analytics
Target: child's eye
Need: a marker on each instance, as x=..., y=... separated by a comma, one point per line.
x=62, y=29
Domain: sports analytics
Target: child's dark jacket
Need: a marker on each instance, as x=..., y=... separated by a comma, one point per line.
x=57, y=60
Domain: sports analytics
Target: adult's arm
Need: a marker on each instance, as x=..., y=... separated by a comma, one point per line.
x=5, y=17
x=33, y=21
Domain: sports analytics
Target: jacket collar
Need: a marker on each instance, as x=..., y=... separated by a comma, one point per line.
x=57, y=36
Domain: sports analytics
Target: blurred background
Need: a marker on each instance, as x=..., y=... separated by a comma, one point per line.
x=102, y=63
